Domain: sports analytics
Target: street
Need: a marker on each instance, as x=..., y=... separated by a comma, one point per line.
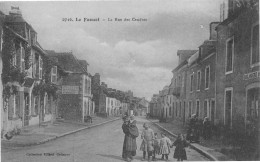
x=102, y=143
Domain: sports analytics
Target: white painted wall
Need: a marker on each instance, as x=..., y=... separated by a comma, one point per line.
x=34, y=120
x=47, y=117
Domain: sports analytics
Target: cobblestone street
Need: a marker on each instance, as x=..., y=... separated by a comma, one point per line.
x=102, y=143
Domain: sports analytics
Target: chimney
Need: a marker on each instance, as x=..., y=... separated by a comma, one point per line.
x=96, y=79
x=104, y=84
x=15, y=11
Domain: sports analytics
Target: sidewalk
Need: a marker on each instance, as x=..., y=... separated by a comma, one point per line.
x=208, y=148
x=34, y=135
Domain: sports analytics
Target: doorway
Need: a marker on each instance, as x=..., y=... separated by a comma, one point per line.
x=26, y=109
x=212, y=116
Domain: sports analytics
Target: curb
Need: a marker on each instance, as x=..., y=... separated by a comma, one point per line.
x=64, y=134
x=203, y=152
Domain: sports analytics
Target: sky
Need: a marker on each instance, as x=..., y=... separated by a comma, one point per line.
x=129, y=55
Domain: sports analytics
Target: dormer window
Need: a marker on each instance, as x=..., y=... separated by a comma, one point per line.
x=34, y=39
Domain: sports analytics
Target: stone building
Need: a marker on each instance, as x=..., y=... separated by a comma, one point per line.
x=2, y=16
x=237, y=61
x=154, y=106
x=29, y=87
x=76, y=98
x=178, y=84
x=200, y=91
x=95, y=89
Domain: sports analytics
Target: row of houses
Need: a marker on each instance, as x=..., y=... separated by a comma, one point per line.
x=220, y=79
x=39, y=85
x=115, y=102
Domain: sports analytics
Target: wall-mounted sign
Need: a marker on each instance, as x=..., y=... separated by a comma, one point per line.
x=252, y=75
x=70, y=89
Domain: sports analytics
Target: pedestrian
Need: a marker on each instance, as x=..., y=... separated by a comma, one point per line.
x=126, y=131
x=156, y=146
x=147, y=143
x=198, y=129
x=206, y=128
x=179, y=152
x=130, y=139
x=165, y=144
x=191, y=128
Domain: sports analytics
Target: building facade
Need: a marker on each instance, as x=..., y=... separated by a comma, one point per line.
x=154, y=106
x=29, y=90
x=178, y=85
x=76, y=98
x=238, y=87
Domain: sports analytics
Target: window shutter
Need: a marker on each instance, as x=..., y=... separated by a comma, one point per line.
x=23, y=53
x=32, y=105
x=18, y=57
x=17, y=107
x=37, y=66
x=10, y=108
x=36, y=106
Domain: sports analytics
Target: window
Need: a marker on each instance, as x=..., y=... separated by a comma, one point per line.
x=46, y=104
x=176, y=110
x=198, y=108
x=198, y=80
x=229, y=55
x=34, y=38
x=22, y=59
x=207, y=77
x=54, y=74
x=175, y=82
x=1, y=40
x=180, y=110
x=182, y=83
x=190, y=108
x=206, y=108
x=16, y=105
x=14, y=60
x=40, y=67
x=179, y=81
x=36, y=106
x=36, y=65
x=255, y=45
x=13, y=107
x=191, y=82
x=86, y=87
x=170, y=111
x=228, y=107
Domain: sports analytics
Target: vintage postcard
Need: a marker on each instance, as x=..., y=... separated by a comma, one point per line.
x=129, y=80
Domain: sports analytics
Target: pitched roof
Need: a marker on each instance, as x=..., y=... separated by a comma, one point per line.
x=181, y=65
x=84, y=64
x=68, y=62
x=15, y=19
x=186, y=52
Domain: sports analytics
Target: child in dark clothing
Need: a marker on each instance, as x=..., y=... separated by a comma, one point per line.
x=179, y=152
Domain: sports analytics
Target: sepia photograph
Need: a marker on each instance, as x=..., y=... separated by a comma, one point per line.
x=129, y=80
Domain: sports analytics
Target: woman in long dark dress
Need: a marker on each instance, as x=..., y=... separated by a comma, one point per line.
x=125, y=130
x=131, y=133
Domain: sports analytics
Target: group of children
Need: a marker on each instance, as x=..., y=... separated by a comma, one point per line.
x=152, y=145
